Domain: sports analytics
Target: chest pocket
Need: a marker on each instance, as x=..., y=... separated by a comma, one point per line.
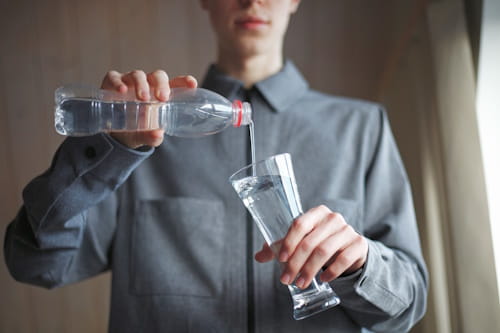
x=178, y=247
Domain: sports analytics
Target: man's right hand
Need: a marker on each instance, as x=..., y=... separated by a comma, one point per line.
x=154, y=85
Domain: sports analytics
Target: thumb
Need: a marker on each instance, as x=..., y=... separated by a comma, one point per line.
x=135, y=139
x=265, y=254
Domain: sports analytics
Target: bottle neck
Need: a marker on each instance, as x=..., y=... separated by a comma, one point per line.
x=242, y=113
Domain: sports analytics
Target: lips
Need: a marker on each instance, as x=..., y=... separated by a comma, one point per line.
x=251, y=22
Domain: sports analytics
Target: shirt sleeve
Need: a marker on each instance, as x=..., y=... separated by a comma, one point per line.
x=64, y=229
x=390, y=293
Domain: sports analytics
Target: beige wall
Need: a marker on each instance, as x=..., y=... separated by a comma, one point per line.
x=377, y=50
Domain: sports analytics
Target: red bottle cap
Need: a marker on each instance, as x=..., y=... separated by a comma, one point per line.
x=238, y=106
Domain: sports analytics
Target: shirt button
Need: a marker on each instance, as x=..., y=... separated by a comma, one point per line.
x=90, y=152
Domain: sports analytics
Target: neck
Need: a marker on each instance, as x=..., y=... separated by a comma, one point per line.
x=251, y=69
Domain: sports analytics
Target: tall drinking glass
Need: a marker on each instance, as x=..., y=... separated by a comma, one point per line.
x=269, y=192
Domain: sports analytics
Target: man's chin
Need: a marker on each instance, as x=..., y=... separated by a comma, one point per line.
x=252, y=46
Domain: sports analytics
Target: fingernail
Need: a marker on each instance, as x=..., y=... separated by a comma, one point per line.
x=300, y=282
x=283, y=256
x=143, y=94
x=285, y=279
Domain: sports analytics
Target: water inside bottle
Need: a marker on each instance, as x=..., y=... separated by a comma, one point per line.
x=84, y=116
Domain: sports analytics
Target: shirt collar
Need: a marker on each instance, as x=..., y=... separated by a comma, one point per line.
x=220, y=83
x=280, y=90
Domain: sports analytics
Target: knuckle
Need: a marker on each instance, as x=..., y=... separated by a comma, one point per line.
x=138, y=73
x=286, y=245
x=161, y=75
x=159, y=72
x=333, y=272
x=321, y=251
x=111, y=77
x=292, y=268
x=346, y=228
x=344, y=259
x=320, y=208
x=332, y=216
x=324, y=208
x=111, y=73
x=358, y=239
x=306, y=245
x=299, y=224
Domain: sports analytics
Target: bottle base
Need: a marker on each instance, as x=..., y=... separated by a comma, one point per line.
x=308, y=304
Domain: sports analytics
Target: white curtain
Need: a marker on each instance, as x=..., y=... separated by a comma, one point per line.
x=434, y=88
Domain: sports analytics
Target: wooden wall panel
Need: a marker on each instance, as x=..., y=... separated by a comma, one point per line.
x=343, y=46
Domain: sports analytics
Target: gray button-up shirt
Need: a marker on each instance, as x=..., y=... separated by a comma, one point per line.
x=179, y=241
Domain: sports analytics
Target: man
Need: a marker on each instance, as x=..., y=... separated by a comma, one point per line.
x=175, y=235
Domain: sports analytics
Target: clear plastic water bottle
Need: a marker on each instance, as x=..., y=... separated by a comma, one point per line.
x=190, y=112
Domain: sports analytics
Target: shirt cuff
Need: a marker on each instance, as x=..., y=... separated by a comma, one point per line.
x=97, y=159
x=115, y=161
x=378, y=281
x=86, y=154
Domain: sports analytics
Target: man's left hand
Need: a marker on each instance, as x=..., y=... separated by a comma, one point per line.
x=318, y=239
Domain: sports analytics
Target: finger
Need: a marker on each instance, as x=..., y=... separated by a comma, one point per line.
x=138, y=80
x=136, y=139
x=347, y=260
x=113, y=81
x=311, y=248
x=300, y=227
x=158, y=81
x=151, y=138
x=265, y=254
x=323, y=254
x=186, y=81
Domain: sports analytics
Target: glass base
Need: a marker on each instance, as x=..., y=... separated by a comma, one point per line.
x=310, y=302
